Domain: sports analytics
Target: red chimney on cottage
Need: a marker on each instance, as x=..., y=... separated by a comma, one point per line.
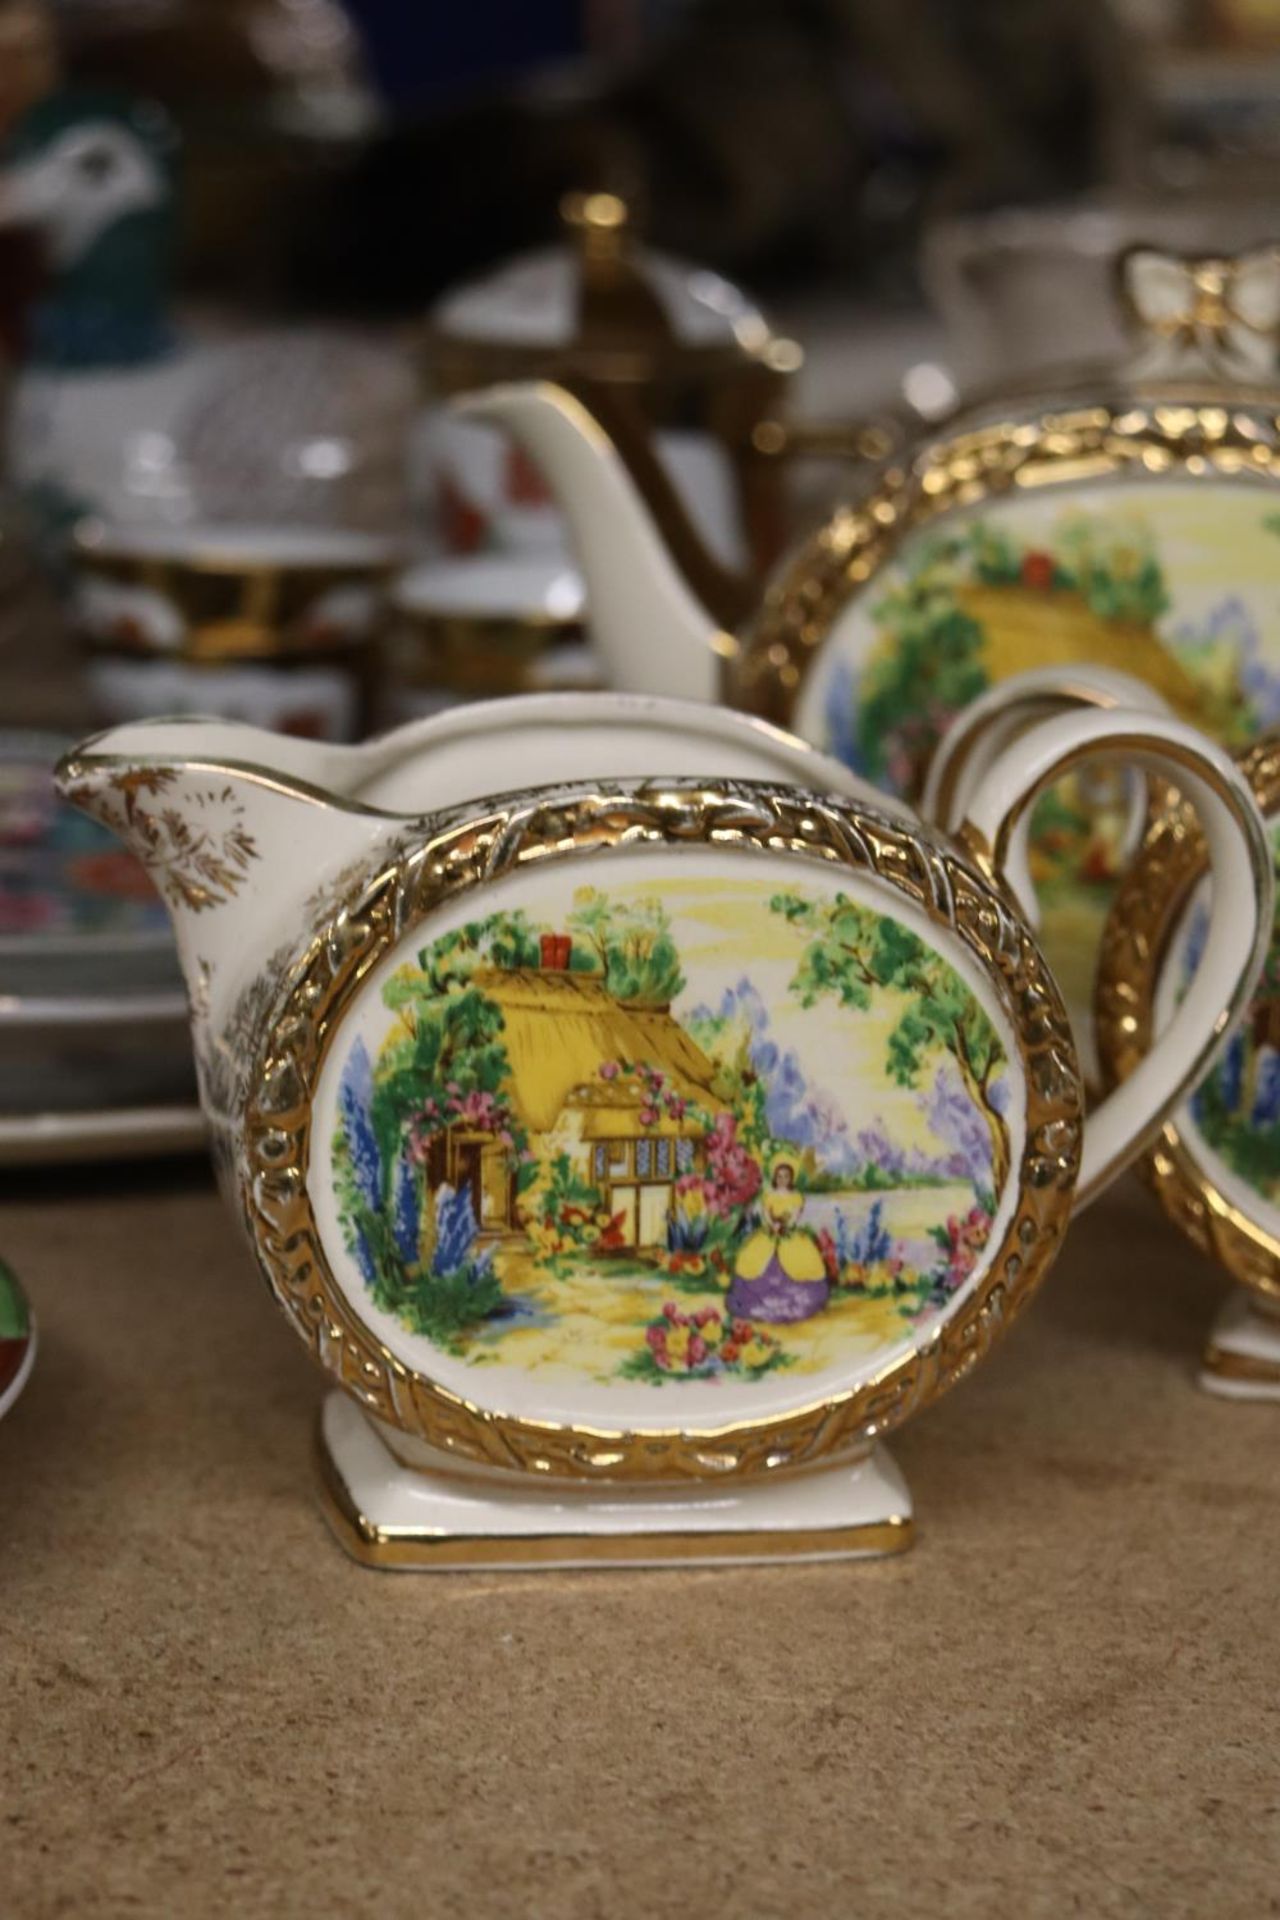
x=555, y=950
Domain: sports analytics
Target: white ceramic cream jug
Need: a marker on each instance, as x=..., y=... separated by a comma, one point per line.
x=637, y=1117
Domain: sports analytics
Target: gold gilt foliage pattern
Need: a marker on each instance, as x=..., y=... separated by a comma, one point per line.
x=198, y=855
x=1134, y=438
x=418, y=876
x=1141, y=925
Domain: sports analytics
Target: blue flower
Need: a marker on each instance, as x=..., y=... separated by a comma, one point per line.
x=1196, y=941
x=404, y=1211
x=840, y=711
x=455, y=1230
x=864, y=1245
x=1266, y=1099
x=355, y=1097
x=363, y=1253
x=1231, y=1073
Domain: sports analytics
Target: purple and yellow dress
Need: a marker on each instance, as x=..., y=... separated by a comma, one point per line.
x=779, y=1275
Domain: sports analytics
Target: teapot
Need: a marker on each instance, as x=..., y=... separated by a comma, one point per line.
x=1077, y=522
x=680, y=360
x=633, y=1150
x=1122, y=516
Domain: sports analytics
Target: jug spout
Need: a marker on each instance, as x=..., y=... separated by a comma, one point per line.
x=235, y=828
x=656, y=636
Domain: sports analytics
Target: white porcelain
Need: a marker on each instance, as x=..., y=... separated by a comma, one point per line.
x=822, y=1514
x=1242, y=1361
x=556, y=1052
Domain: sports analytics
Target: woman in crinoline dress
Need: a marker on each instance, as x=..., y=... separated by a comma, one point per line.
x=779, y=1273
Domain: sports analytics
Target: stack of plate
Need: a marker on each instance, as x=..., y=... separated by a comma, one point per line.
x=94, y=1055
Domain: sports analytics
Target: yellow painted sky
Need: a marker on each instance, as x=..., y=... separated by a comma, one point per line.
x=723, y=930
x=1208, y=547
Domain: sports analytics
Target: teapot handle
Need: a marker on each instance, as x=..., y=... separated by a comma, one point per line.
x=1241, y=865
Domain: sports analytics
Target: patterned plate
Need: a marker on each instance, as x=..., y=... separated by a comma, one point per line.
x=79, y=919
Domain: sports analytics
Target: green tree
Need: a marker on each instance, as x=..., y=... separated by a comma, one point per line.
x=632, y=945
x=852, y=953
x=449, y=1064
x=932, y=670
x=500, y=940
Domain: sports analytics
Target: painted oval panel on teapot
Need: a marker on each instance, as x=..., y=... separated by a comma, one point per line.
x=666, y=1147
x=1174, y=581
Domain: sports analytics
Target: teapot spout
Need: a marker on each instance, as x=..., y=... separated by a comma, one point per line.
x=655, y=634
x=234, y=827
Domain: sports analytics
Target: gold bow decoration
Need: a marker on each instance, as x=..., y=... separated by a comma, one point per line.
x=1221, y=311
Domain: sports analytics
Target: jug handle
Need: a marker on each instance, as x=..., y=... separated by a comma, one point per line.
x=1242, y=869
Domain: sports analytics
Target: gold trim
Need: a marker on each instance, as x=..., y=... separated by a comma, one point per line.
x=385, y=1547
x=1249, y=1368
x=1142, y=921
x=468, y=853
x=1152, y=437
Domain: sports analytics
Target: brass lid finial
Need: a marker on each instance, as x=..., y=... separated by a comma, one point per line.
x=598, y=221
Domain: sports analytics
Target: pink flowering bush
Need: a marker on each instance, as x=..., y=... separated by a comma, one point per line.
x=962, y=1241
x=478, y=1109
x=651, y=1089
x=733, y=1176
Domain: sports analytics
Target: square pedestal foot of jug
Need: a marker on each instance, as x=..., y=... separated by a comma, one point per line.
x=451, y=1518
x=1242, y=1359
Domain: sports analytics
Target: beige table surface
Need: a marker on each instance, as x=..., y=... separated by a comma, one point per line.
x=1064, y=1701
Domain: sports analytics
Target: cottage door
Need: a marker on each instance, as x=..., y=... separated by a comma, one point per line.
x=655, y=1211
x=495, y=1186
x=466, y=1173
x=622, y=1202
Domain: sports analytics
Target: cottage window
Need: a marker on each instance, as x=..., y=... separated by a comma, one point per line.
x=600, y=1160
x=664, y=1158
x=684, y=1156
x=620, y=1159
x=644, y=1158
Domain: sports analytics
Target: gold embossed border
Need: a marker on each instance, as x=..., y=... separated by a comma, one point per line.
x=1148, y=439
x=1142, y=922
x=463, y=854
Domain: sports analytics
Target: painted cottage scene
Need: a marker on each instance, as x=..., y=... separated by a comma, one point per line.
x=719, y=1134
x=1174, y=585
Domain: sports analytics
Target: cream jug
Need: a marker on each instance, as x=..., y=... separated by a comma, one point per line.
x=635, y=1115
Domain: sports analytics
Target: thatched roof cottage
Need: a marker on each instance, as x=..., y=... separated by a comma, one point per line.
x=559, y=1028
